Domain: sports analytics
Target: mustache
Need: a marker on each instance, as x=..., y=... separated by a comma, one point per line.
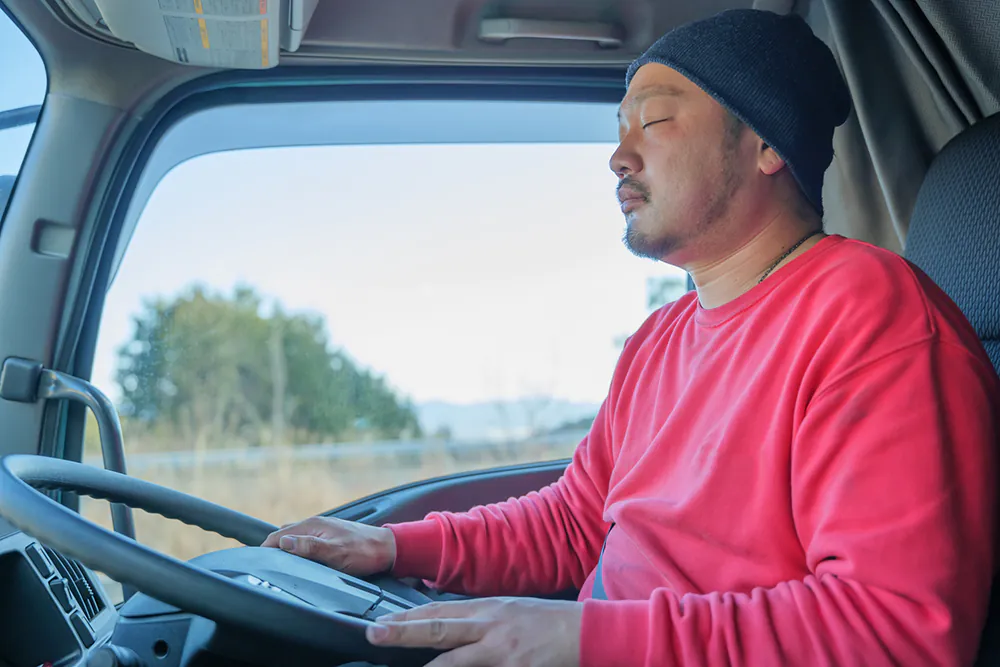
x=635, y=186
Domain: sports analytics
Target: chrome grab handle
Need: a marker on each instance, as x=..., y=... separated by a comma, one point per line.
x=604, y=35
x=26, y=381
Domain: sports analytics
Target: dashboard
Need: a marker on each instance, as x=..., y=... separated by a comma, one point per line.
x=53, y=611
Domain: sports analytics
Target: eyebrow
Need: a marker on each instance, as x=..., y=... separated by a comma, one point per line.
x=662, y=90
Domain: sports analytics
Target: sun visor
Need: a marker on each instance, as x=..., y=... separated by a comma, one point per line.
x=232, y=34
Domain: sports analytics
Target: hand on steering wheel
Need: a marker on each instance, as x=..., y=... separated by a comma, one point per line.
x=352, y=548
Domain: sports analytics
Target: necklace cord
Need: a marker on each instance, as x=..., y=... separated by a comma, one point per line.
x=786, y=254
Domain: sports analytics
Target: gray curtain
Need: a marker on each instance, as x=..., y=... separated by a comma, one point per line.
x=920, y=71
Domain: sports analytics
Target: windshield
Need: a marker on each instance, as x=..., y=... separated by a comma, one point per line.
x=358, y=316
x=22, y=90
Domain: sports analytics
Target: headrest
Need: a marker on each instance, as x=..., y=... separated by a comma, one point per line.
x=954, y=234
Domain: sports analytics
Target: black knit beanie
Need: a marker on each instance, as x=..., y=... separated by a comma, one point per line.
x=773, y=74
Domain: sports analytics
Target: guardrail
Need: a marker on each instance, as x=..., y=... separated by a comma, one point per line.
x=186, y=458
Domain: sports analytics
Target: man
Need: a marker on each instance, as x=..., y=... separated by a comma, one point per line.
x=795, y=465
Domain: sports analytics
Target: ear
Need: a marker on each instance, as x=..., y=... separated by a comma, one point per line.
x=769, y=161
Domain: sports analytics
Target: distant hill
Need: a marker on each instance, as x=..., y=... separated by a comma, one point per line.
x=503, y=420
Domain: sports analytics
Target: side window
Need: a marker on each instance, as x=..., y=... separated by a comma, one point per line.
x=22, y=91
x=292, y=329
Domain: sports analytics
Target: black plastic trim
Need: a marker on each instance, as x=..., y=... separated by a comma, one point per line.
x=457, y=492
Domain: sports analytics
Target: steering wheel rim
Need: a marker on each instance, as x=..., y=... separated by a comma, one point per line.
x=181, y=584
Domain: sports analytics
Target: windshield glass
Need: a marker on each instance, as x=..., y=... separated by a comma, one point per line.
x=294, y=328
x=22, y=90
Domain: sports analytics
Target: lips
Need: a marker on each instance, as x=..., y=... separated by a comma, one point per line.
x=631, y=194
x=630, y=199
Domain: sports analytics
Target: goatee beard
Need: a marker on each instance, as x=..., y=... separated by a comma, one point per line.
x=643, y=246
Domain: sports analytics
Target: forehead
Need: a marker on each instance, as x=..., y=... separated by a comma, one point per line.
x=631, y=101
x=655, y=80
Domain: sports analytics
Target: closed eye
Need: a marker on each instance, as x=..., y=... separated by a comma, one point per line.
x=654, y=122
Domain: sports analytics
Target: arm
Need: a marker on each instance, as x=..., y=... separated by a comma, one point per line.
x=540, y=543
x=893, y=478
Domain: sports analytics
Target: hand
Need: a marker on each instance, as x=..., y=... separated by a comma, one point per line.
x=492, y=632
x=352, y=548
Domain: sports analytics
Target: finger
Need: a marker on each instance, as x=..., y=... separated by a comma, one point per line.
x=287, y=529
x=433, y=633
x=310, y=547
x=473, y=655
x=271, y=541
x=308, y=526
x=455, y=609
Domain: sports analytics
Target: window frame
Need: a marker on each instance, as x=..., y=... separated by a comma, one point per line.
x=65, y=423
x=198, y=135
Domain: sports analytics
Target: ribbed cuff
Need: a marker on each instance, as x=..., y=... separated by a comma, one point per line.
x=418, y=549
x=614, y=634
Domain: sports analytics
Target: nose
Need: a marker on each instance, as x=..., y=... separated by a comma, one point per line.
x=625, y=160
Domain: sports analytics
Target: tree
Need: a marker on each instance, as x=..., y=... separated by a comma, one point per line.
x=663, y=290
x=659, y=292
x=217, y=369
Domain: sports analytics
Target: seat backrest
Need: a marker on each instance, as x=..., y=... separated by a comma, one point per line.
x=955, y=238
x=955, y=230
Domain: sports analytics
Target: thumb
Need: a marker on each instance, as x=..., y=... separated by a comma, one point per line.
x=306, y=546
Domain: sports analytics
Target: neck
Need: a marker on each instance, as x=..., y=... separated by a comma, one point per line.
x=737, y=270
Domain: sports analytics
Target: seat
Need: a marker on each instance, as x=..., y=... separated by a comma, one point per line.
x=955, y=230
x=954, y=237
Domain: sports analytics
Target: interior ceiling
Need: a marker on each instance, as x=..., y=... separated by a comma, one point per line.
x=447, y=31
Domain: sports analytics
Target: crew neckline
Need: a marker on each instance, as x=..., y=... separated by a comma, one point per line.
x=711, y=317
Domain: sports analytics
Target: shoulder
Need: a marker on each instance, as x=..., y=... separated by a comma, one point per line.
x=873, y=302
x=658, y=323
x=667, y=316
x=866, y=286
x=857, y=271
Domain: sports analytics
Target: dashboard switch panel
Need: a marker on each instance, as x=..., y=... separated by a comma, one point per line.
x=39, y=560
x=83, y=629
x=44, y=621
x=60, y=590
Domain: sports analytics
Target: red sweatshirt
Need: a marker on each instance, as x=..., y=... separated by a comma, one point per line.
x=803, y=476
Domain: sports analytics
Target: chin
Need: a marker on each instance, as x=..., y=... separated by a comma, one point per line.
x=649, y=237
x=641, y=244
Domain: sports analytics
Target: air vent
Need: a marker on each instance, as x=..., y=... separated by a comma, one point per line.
x=80, y=584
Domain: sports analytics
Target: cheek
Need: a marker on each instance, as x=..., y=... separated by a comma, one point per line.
x=686, y=166
x=672, y=172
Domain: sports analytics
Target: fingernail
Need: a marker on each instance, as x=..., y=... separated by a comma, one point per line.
x=288, y=543
x=377, y=633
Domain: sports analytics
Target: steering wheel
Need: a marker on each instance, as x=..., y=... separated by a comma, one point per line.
x=184, y=585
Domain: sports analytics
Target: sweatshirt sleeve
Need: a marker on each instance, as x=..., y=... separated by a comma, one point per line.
x=893, y=478
x=543, y=542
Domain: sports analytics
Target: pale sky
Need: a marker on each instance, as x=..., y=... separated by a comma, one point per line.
x=22, y=83
x=461, y=272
